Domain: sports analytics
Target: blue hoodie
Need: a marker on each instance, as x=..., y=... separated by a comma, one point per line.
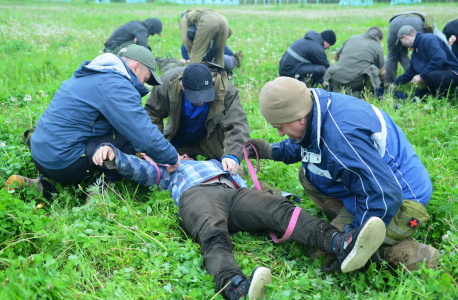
x=102, y=95
x=355, y=152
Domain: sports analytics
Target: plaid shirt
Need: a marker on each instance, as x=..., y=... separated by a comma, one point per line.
x=189, y=173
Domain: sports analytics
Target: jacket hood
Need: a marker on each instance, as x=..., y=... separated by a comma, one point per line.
x=314, y=36
x=110, y=63
x=372, y=34
x=154, y=25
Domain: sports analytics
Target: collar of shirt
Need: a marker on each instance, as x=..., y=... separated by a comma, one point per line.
x=193, y=110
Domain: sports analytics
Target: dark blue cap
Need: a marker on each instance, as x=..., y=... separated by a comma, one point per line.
x=197, y=82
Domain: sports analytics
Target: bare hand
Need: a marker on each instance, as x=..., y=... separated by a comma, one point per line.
x=416, y=79
x=173, y=168
x=103, y=153
x=451, y=40
x=183, y=61
x=325, y=85
x=393, y=86
x=230, y=165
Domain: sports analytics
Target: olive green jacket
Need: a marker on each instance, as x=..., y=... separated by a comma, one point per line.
x=359, y=55
x=227, y=125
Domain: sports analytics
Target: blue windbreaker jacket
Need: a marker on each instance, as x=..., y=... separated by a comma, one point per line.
x=102, y=95
x=359, y=155
x=429, y=54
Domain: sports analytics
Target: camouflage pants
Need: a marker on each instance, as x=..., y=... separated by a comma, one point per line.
x=335, y=211
x=332, y=207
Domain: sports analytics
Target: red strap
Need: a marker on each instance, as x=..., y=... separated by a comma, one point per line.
x=145, y=157
x=297, y=210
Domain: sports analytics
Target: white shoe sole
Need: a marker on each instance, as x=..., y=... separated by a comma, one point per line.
x=369, y=240
x=261, y=277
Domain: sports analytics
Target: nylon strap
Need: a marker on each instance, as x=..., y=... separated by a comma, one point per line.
x=297, y=210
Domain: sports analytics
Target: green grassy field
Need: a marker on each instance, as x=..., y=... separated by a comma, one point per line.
x=127, y=244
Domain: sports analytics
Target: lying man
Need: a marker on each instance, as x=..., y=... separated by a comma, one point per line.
x=213, y=204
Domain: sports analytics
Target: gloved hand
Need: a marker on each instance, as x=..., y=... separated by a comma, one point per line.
x=263, y=147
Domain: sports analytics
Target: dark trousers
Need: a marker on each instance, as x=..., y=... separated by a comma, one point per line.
x=82, y=170
x=310, y=74
x=439, y=83
x=210, y=213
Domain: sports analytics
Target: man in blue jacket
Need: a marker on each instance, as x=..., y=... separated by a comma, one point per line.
x=101, y=102
x=356, y=163
x=306, y=60
x=433, y=67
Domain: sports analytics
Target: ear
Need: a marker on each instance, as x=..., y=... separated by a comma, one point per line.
x=303, y=121
x=181, y=84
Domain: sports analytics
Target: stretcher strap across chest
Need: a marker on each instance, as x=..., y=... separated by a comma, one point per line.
x=297, y=210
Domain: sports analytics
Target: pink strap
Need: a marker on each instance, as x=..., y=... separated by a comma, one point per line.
x=297, y=210
x=145, y=157
x=250, y=165
x=290, y=229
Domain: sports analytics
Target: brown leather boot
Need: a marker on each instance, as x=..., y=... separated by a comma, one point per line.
x=410, y=254
x=22, y=182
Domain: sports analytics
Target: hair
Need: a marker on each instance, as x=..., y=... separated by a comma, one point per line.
x=379, y=32
x=130, y=61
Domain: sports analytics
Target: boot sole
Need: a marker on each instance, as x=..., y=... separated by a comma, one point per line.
x=261, y=277
x=369, y=240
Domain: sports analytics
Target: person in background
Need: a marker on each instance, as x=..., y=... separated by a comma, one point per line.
x=204, y=32
x=397, y=53
x=134, y=32
x=360, y=64
x=306, y=59
x=451, y=32
x=231, y=60
x=434, y=67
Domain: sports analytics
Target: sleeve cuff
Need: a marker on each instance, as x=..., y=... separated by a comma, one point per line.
x=276, y=153
x=231, y=157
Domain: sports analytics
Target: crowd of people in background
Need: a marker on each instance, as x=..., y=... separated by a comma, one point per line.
x=358, y=167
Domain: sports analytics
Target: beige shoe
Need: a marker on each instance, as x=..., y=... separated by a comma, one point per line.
x=410, y=254
x=22, y=182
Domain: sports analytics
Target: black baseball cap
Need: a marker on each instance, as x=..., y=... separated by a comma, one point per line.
x=197, y=82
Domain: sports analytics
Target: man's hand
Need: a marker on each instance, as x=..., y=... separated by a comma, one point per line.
x=451, y=40
x=262, y=146
x=103, y=153
x=416, y=79
x=392, y=86
x=173, y=168
x=184, y=61
x=230, y=165
x=325, y=85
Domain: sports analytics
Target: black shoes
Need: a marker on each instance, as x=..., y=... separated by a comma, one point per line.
x=254, y=287
x=354, y=247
